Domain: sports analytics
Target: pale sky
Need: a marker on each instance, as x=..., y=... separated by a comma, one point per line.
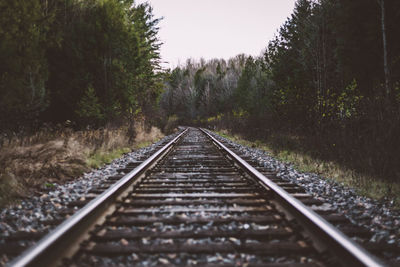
x=217, y=28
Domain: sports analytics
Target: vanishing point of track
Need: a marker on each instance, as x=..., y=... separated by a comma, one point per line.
x=190, y=201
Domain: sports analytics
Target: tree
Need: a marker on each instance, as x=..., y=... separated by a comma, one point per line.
x=385, y=53
x=111, y=46
x=23, y=68
x=89, y=108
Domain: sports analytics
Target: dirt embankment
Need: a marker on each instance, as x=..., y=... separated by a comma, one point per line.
x=28, y=167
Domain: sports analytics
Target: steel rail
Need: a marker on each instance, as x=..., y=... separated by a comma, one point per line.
x=347, y=251
x=49, y=250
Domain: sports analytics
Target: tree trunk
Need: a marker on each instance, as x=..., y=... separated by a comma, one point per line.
x=385, y=59
x=131, y=129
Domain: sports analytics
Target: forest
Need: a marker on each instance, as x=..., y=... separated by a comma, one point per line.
x=330, y=77
x=87, y=62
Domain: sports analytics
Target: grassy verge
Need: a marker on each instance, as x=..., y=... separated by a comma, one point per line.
x=100, y=158
x=365, y=185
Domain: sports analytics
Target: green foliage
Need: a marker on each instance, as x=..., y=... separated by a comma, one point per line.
x=53, y=51
x=49, y=185
x=100, y=158
x=23, y=70
x=397, y=94
x=215, y=119
x=322, y=77
x=240, y=113
x=89, y=108
x=348, y=101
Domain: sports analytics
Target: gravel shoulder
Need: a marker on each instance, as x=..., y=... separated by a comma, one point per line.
x=31, y=213
x=380, y=217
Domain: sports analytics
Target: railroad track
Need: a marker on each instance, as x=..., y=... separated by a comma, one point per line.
x=195, y=202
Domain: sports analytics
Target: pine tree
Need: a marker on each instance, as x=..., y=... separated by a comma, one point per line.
x=23, y=70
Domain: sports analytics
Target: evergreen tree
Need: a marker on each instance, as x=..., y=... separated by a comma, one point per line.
x=23, y=70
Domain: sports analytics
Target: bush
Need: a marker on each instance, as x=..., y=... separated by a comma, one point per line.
x=171, y=125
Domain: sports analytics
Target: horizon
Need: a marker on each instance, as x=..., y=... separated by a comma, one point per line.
x=222, y=35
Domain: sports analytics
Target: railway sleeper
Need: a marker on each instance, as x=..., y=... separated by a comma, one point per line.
x=242, y=202
x=176, y=219
x=183, y=209
x=241, y=234
x=209, y=260
x=192, y=184
x=220, y=189
x=265, y=248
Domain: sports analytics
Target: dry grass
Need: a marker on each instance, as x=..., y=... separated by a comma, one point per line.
x=143, y=136
x=105, y=155
x=365, y=185
x=56, y=156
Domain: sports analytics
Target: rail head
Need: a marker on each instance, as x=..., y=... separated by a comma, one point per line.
x=348, y=251
x=47, y=251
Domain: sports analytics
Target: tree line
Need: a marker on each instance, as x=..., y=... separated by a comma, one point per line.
x=90, y=62
x=331, y=75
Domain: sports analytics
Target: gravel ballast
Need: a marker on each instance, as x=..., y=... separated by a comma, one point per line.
x=31, y=213
x=381, y=217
